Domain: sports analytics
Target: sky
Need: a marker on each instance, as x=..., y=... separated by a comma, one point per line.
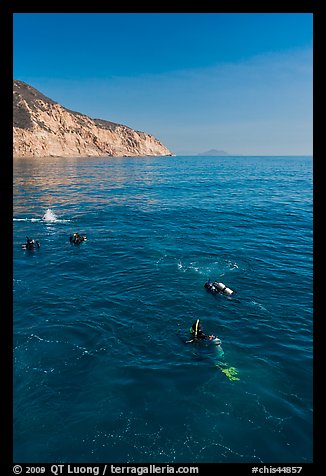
x=237, y=82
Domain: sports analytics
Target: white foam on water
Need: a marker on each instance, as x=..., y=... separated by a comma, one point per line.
x=49, y=216
x=258, y=305
x=27, y=219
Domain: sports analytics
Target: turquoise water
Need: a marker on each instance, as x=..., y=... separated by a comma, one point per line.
x=102, y=372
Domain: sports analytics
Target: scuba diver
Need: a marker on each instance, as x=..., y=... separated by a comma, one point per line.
x=31, y=244
x=216, y=287
x=197, y=334
x=77, y=238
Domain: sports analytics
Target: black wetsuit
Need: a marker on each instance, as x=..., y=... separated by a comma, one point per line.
x=196, y=332
x=200, y=335
x=76, y=238
x=30, y=244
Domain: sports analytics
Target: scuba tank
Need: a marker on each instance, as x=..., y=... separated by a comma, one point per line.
x=222, y=288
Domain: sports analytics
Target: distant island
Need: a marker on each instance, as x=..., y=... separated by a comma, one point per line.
x=44, y=128
x=214, y=152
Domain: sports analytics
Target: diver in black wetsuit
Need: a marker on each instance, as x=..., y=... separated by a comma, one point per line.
x=216, y=287
x=31, y=244
x=197, y=334
x=77, y=238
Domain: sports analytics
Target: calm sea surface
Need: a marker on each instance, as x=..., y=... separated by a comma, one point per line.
x=102, y=370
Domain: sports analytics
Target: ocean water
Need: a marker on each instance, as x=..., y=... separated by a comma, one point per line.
x=102, y=370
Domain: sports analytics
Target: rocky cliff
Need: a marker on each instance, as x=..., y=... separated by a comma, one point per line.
x=44, y=128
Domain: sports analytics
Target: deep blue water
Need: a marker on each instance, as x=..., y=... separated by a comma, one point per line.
x=102, y=372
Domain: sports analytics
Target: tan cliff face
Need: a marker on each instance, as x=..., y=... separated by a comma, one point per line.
x=43, y=128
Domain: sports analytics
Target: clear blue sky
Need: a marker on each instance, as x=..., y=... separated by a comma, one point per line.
x=235, y=82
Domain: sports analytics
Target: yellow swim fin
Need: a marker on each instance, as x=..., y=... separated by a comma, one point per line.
x=230, y=372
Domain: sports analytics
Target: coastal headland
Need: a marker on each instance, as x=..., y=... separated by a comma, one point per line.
x=44, y=128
